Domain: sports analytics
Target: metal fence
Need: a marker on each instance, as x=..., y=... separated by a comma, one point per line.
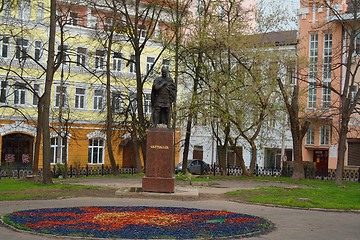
x=310, y=173
x=71, y=172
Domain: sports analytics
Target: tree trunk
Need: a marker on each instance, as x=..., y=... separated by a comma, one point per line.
x=47, y=95
x=139, y=167
x=38, y=138
x=253, y=158
x=298, y=168
x=109, y=117
x=341, y=149
x=187, y=143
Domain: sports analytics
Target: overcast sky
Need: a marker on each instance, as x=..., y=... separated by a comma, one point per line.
x=290, y=6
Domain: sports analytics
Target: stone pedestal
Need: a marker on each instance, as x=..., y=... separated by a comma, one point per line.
x=159, y=161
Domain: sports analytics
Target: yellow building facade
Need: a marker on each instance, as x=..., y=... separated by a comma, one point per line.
x=78, y=91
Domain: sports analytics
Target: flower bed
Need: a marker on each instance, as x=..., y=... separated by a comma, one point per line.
x=138, y=222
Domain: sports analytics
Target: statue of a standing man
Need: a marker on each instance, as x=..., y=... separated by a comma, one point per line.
x=162, y=96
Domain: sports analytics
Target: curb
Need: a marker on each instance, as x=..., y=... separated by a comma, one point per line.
x=299, y=208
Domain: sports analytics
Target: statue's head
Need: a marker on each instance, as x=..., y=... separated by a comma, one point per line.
x=164, y=71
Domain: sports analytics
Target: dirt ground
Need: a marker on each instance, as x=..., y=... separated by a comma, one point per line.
x=108, y=186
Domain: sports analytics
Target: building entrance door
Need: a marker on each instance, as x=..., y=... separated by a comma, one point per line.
x=16, y=151
x=321, y=157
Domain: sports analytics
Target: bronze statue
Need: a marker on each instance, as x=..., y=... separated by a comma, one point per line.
x=162, y=96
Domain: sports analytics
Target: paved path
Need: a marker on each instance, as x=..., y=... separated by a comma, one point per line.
x=290, y=224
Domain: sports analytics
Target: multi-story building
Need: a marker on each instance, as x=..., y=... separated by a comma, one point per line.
x=78, y=91
x=324, y=42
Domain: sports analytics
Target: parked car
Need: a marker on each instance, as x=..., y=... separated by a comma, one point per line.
x=195, y=166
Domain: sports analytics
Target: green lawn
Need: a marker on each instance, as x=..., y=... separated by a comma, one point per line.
x=323, y=194
x=9, y=189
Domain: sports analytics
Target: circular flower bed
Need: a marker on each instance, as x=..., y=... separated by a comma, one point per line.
x=138, y=222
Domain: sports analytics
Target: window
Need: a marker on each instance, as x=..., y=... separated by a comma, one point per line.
x=327, y=58
x=353, y=91
x=37, y=50
x=311, y=95
x=40, y=12
x=81, y=56
x=99, y=59
x=65, y=54
x=166, y=62
x=326, y=95
x=313, y=56
x=290, y=72
x=117, y=102
x=147, y=103
x=310, y=135
x=74, y=19
x=24, y=10
x=132, y=101
x=357, y=44
x=200, y=8
x=132, y=64
x=117, y=62
x=3, y=91
x=21, y=48
x=19, y=94
x=36, y=94
x=55, y=150
x=80, y=98
x=7, y=9
x=5, y=46
x=98, y=99
x=324, y=135
x=220, y=13
x=149, y=63
x=60, y=96
x=142, y=31
x=96, y=151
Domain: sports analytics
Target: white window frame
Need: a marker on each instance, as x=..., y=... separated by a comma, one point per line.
x=149, y=64
x=19, y=94
x=37, y=88
x=324, y=135
x=310, y=136
x=117, y=101
x=40, y=12
x=200, y=8
x=54, y=148
x=4, y=91
x=99, y=60
x=38, y=49
x=25, y=10
x=95, y=148
x=67, y=58
x=8, y=46
x=74, y=18
x=132, y=100
x=98, y=100
x=117, y=62
x=81, y=57
x=24, y=49
x=313, y=55
x=327, y=55
x=7, y=9
x=57, y=96
x=147, y=103
x=80, y=99
x=163, y=64
x=132, y=67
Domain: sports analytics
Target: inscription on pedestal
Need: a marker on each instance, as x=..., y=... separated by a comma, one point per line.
x=159, y=161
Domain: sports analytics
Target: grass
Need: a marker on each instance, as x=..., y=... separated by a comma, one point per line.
x=322, y=194
x=19, y=185
x=9, y=189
